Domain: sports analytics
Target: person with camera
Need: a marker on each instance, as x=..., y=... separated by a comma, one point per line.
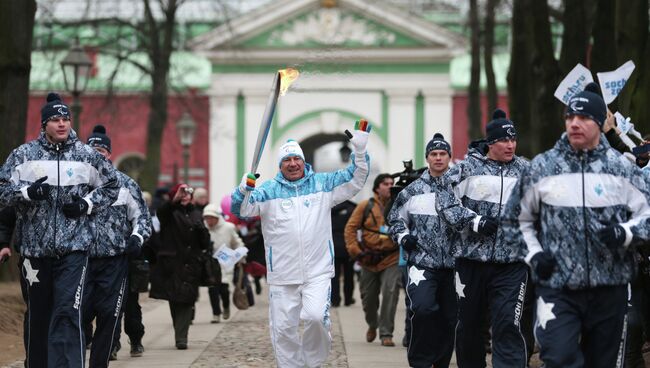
x=426, y=241
x=180, y=259
x=491, y=277
x=368, y=241
x=294, y=208
x=120, y=230
x=56, y=183
x=579, y=212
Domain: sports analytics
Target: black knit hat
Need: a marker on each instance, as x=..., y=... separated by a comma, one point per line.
x=438, y=142
x=54, y=108
x=499, y=128
x=588, y=103
x=99, y=138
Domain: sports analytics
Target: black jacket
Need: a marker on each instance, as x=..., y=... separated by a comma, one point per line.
x=340, y=215
x=184, y=244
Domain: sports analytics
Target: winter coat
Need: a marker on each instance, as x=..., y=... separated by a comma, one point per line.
x=373, y=239
x=127, y=216
x=565, y=198
x=296, y=220
x=414, y=213
x=72, y=168
x=225, y=233
x=340, y=215
x=184, y=244
x=475, y=187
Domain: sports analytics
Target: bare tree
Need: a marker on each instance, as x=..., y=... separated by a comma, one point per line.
x=158, y=36
x=633, y=43
x=16, y=30
x=519, y=74
x=474, y=91
x=488, y=52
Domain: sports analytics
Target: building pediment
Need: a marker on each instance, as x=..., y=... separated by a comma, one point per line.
x=348, y=30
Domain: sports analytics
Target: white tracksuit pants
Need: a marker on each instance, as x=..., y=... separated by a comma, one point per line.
x=288, y=305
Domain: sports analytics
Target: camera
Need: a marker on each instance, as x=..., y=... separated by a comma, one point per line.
x=189, y=190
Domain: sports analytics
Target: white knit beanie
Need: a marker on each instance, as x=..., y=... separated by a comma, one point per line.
x=291, y=148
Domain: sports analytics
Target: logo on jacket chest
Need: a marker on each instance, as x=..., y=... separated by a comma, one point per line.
x=286, y=205
x=69, y=172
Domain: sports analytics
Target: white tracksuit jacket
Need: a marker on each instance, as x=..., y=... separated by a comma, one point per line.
x=296, y=219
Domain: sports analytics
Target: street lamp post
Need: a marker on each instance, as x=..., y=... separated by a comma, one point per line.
x=76, y=72
x=186, y=128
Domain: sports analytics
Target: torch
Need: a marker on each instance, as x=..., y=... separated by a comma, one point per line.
x=281, y=82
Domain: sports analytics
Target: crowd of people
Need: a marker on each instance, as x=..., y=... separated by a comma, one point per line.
x=496, y=253
x=89, y=241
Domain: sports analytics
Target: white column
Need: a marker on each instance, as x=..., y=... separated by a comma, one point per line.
x=401, y=130
x=438, y=105
x=223, y=145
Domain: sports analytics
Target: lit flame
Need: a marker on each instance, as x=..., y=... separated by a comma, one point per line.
x=287, y=76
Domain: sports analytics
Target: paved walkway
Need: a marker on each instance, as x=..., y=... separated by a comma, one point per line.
x=243, y=341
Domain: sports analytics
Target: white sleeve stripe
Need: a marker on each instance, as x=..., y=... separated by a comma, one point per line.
x=628, y=235
x=475, y=223
x=529, y=210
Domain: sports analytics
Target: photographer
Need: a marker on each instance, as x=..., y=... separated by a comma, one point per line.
x=367, y=240
x=177, y=273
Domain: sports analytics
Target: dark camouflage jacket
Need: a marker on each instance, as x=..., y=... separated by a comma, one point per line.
x=72, y=168
x=479, y=186
x=414, y=212
x=565, y=198
x=127, y=216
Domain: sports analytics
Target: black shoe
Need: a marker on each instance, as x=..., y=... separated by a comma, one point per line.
x=258, y=287
x=114, y=353
x=350, y=302
x=181, y=345
x=137, y=349
x=405, y=342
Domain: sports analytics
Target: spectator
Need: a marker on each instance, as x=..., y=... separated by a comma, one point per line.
x=343, y=264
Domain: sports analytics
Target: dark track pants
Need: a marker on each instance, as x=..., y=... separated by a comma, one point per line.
x=580, y=328
x=54, y=289
x=132, y=316
x=346, y=265
x=103, y=298
x=219, y=295
x=431, y=303
x=501, y=289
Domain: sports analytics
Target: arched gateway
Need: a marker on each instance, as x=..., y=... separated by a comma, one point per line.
x=357, y=59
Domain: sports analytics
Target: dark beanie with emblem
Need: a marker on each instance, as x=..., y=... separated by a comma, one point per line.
x=499, y=128
x=438, y=142
x=99, y=138
x=54, y=108
x=588, y=103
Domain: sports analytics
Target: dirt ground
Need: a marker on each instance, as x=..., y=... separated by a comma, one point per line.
x=11, y=320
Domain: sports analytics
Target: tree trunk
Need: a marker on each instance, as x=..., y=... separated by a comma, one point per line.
x=603, y=50
x=16, y=29
x=546, y=113
x=160, y=39
x=578, y=22
x=474, y=92
x=519, y=77
x=488, y=51
x=633, y=42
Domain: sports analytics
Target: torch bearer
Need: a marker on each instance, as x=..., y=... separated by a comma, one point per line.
x=281, y=82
